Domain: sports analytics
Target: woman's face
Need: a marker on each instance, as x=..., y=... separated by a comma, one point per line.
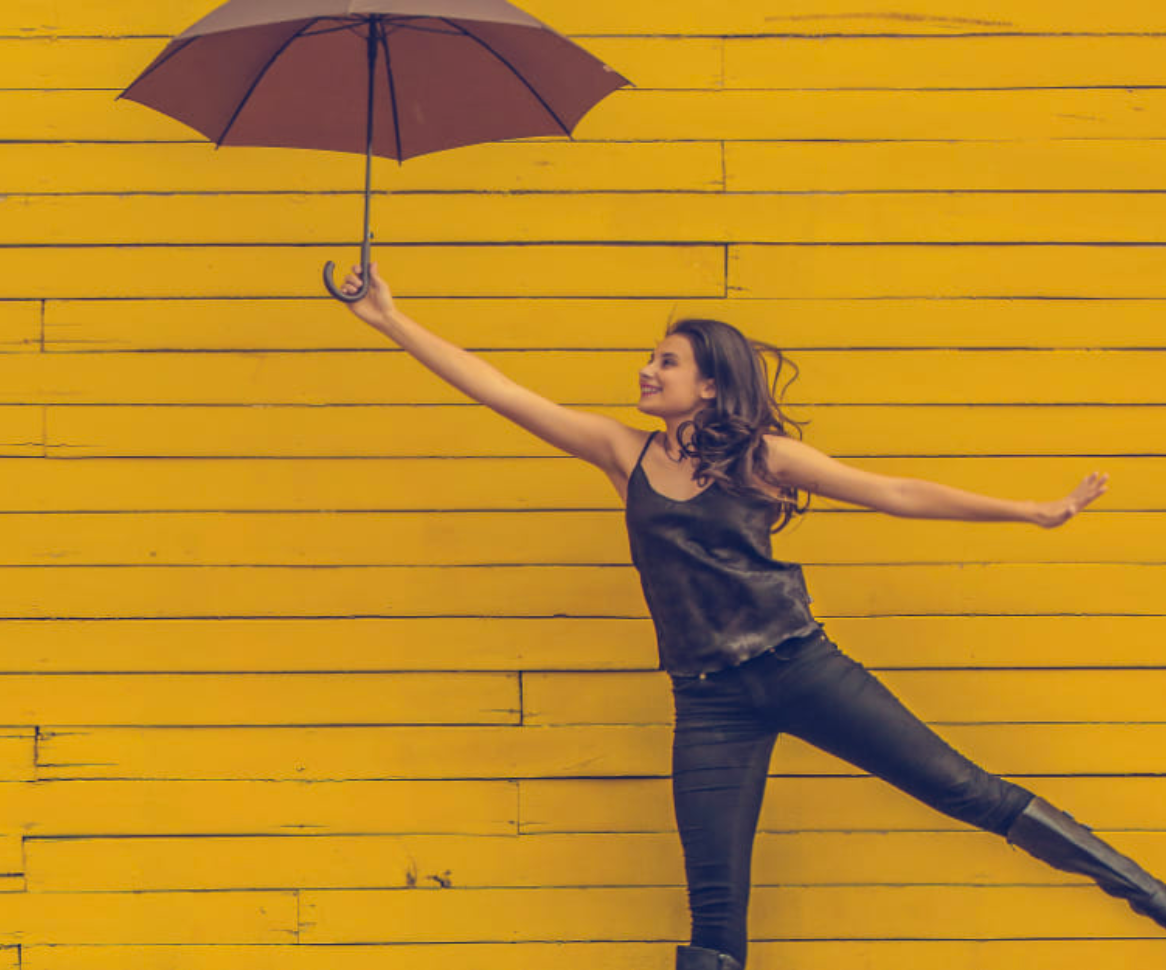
x=670, y=384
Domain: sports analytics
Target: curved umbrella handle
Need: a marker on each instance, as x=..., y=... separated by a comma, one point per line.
x=330, y=269
x=365, y=273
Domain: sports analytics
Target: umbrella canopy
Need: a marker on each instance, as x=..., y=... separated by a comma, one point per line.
x=394, y=78
x=294, y=74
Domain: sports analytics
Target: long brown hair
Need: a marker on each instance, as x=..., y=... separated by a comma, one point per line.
x=727, y=436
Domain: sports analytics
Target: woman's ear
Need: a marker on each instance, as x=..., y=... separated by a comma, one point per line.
x=708, y=389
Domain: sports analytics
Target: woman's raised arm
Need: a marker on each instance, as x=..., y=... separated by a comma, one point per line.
x=593, y=437
x=795, y=463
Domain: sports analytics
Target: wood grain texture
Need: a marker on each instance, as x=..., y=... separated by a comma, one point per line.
x=765, y=955
x=540, y=323
x=593, y=751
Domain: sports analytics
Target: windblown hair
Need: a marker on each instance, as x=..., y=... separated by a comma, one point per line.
x=727, y=436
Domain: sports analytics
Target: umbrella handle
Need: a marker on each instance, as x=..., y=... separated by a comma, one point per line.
x=330, y=269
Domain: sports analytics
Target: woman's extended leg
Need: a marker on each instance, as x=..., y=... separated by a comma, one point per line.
x=837, y=705
x=720, y=760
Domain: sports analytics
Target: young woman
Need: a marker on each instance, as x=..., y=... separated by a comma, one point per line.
x=746, y=658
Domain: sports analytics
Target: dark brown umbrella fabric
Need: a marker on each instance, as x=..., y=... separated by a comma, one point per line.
x=294, y=74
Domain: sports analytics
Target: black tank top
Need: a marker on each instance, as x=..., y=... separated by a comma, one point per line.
x=716, y=594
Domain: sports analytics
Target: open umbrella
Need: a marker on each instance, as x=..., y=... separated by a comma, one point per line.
x=394, y=78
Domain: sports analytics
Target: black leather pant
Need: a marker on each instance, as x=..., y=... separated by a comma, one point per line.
x=726, y=726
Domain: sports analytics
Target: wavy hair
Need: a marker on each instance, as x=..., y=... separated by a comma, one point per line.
x=727, y=435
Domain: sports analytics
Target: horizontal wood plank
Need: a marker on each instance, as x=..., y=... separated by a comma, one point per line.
x=913, y=271
x=391, y=431
x=533, y=590
x=202, y=699
x=948, y=697
x=17, y=753
x=435, y=538
x=768, y=115
x=526, y=324
x=178, y=917
x=820, y=804
x=729, y=115
x=20, y=327
x=560, y=643
x=479, y=862
x=764, y=955
x=1019, y=165
x=632, y=271
x=22, y=430
x=70, y=808
x=335, y=753
x=819, y=912
x=774, y=62
x=976, y=61
x=232, y=219
x=492, y=484
x=581, y=378
x=113, y=63
x=139, y=17
x=517, y=166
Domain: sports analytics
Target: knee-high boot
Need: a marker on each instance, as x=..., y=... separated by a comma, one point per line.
x=1055, y=837
x=700, y=958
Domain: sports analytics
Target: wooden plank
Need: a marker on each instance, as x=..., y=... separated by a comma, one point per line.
x=17, y=753
x=765, y=955
x=977, y=61
x=697, y=218
x=845, y=431
x=529, y=537
x=434, y=484
x=179, y=917
x=301, y=698
x=966, y=858
x=579, y=378
x=20, y=327
x=22, y=431
x=141, y=17
x=335, y=753
x=820, y=804
x=770, y=115
x=819, y=912
x=679, y=271
x=398, y=643
x=941, y=697
x=113, y=63
x=307, y=324
x=503, y=167
x=913, y=271
x=561, y=643
x=534, y=590
x=729, y=115
x=1021, y=165
x=197, y=808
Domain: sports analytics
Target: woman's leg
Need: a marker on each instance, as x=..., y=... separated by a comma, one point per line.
x=720, y=760
x=837, y=705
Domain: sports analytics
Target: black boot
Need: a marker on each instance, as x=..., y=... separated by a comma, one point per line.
x=1054, y=837
x=698, y=958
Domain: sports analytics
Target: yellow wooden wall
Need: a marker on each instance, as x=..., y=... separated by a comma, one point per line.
x=309, y=663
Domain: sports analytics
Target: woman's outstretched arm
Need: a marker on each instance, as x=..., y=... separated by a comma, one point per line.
x=593, y=437
x=796, y=463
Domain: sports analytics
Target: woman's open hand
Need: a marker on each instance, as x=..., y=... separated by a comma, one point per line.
x=376, y=307
x=1051, y=514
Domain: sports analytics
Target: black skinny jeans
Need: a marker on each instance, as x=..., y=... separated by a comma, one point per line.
x=726, y=726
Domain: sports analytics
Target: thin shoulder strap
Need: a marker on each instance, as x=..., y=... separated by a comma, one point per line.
x=645, y=448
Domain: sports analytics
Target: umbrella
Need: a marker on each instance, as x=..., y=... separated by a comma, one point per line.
x=393, y=78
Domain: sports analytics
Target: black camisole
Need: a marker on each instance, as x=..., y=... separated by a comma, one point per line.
x=716, y=594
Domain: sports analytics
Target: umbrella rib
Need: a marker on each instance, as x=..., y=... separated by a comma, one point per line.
x=158, y=63
x=515, y=71
x=392, y=95
x=259, y=77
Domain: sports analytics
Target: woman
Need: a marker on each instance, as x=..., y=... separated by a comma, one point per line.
x=746, y=657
